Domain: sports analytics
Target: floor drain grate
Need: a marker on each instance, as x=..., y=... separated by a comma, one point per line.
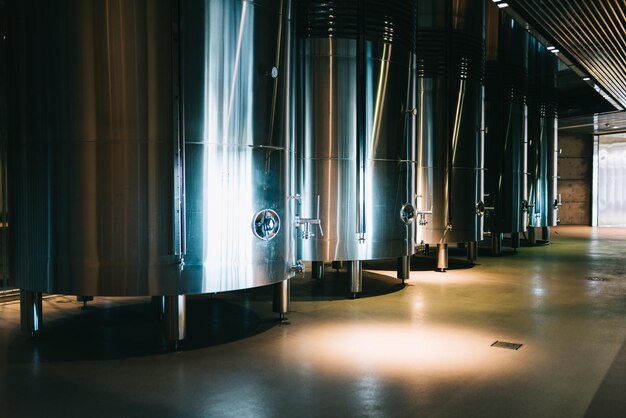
x=597, y=279
x=504, y=344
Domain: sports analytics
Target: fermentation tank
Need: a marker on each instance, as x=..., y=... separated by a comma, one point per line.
x=506, y=137
x=542, y=141
x=354, y=151
x=450, y=71
x=149, y=149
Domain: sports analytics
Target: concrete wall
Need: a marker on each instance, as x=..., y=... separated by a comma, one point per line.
x=575, y=178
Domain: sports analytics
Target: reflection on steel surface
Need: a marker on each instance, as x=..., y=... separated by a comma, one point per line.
x=450, y=71
x=506, y=115
x=362, y=185
x=542, y=136
x=141, y=154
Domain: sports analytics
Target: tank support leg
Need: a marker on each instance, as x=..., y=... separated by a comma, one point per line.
x=31, y=314
x=404, y=268
x=496, y=244
x=281, y=298
x=84, y=299
x=515, y=241
x=472, y=251
x=356, y=277
x=317, y=269
x=545, y=233
x=532, y=235
x=175, y=319
x=442, y=256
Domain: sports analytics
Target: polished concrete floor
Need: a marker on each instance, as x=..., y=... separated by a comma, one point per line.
x=420, y=350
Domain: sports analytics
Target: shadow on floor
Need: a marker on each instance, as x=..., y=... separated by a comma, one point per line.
x=102, y=331
x=134, y=330
x=609, y=400
x=425, y=262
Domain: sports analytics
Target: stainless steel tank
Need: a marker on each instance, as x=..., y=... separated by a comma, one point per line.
x=149, y=146
x=542, y=128
x=354, y=107
x=235, y=66
x=506, y=138
x=450, y=71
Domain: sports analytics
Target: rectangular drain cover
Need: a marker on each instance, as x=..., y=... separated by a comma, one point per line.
x=597, y=279
x=504, y=344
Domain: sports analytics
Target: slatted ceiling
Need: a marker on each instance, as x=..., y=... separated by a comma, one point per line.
x=591, y=32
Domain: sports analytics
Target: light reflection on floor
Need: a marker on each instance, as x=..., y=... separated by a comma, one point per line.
x=419, y=350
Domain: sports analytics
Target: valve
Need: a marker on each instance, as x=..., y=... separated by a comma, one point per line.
x=306, y=223
x=298, y=268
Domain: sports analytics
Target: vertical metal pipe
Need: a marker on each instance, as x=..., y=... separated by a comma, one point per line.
x=356, y=277
x=442, y=256
x=175, y=319
x=545, y=233
x=31, y=313
x=361, y=115
x=515, y=240
x=317, y=269
x=178, y=136
x=281, y=298
x=472, y=251
x=532, y=235
x=404, y=268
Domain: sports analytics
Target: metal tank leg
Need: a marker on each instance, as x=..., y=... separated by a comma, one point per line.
x=317, y=269
x=84, y=299
x=545, y=233
x=472, y=251
x=442, y=257
x=356, y=277
x=175, y=319
x=337, y=265
x=31, y=313
x=532, y=235
x=515, y=241
x=404, y=268
x=282, y=296
x=496, y=244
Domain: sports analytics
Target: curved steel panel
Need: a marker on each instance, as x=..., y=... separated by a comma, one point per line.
x=237, y=154
x=97, y=159
x=92, y=162
x=542, y=127
x=506, y=113
x=450, y=71
x=327, y=130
